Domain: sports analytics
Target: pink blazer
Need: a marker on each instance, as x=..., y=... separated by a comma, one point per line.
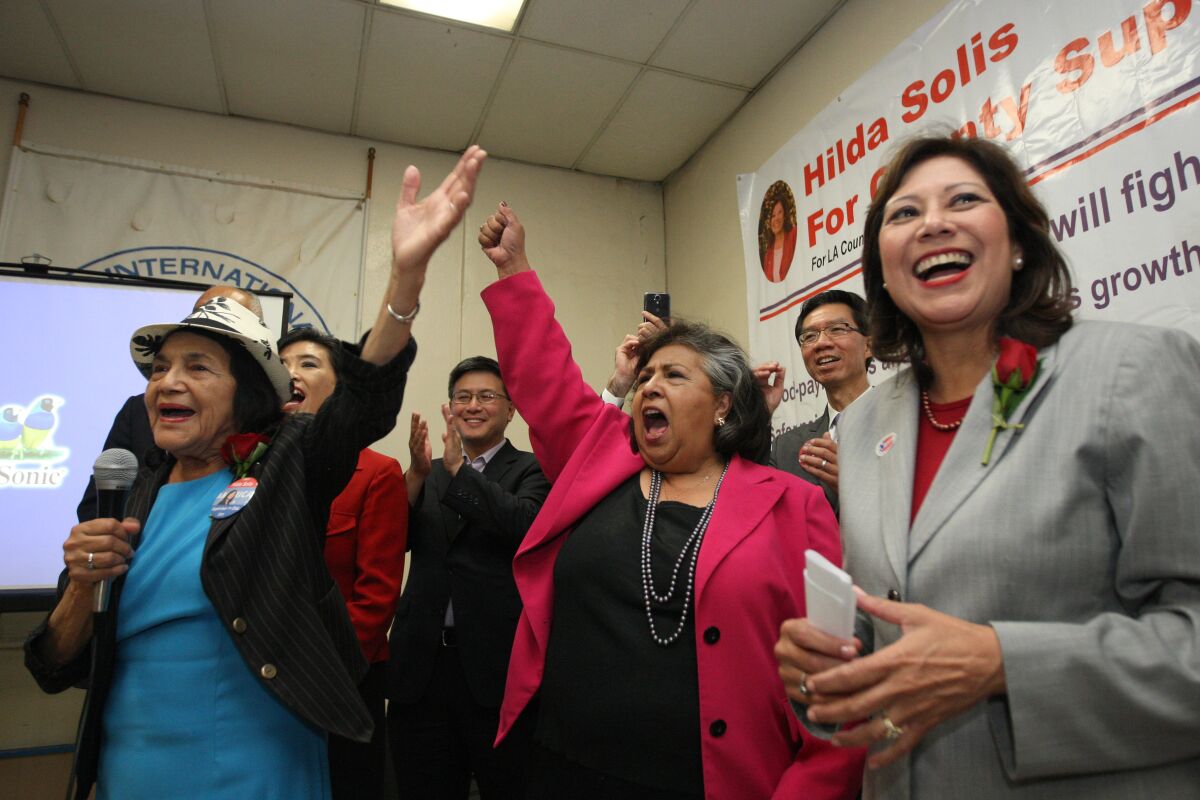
x=749, y=574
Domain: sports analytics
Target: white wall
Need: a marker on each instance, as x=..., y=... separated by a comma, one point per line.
x=705, y=270
x=597, y=241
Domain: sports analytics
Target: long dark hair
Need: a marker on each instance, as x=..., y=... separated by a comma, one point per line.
x=1039, y=305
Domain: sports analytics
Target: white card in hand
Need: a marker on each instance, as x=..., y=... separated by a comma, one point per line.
x=829, y=596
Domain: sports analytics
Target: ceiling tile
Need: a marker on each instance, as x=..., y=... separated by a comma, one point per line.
x=141, y=49
x=739, y=42
x=29, y=50
x=551, y=102
x=629, y=29
x=292, y=61
x=664, y=120
x=425, y=82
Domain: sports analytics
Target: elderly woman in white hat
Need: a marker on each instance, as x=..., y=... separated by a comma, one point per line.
x=226, y=653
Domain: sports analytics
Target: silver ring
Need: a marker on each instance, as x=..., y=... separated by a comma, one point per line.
x=824, y=461
x=802, y=688
x=91, y=562
x=891, y=731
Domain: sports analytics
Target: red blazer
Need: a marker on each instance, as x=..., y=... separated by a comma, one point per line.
x=789, y=250
x=364, y=547
x=749, y=574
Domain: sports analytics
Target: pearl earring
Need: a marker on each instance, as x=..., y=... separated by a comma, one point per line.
x=1018, y=262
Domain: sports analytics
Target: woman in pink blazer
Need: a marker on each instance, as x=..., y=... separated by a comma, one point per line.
x=657, y=574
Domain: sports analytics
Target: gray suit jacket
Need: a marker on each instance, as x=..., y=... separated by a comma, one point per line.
x=1077, y=543
x=785, y=452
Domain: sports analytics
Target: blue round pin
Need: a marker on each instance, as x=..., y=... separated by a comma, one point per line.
x=233, y=498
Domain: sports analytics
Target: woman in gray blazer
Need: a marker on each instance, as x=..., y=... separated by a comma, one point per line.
x=1024, y=497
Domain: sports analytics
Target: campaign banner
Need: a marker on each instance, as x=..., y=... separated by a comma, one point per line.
x=130, y=217
x=1094, y=98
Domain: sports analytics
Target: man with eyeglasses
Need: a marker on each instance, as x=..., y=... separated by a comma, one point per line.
x=831, y=332
x=457, y=616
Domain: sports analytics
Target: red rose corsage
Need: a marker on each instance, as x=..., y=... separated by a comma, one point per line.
x=242, y=450
x=1015, y=371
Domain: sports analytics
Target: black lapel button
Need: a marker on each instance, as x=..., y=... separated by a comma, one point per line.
x=712, y=635
x=893, y=595
x=717, y=728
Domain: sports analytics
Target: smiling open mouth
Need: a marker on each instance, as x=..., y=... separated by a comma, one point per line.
x=296, y=400
x=175, y=412
x=941, y=266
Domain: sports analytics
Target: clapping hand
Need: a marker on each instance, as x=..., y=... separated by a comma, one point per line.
x=452, y=455
x=819, y=458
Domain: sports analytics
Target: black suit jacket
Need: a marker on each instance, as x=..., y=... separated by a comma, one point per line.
x=785, y=452
x=130, y=431
x=264, y=568
x=463, y=535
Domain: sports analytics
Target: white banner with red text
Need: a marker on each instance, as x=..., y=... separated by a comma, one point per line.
x=1094, y=98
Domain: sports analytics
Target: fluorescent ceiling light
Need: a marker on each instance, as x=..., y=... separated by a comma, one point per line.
x=501, y=14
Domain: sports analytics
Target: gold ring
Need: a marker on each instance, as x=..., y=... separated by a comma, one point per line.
x=891, y=731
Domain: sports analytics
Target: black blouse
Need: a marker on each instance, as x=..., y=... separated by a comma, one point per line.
x=612, y=699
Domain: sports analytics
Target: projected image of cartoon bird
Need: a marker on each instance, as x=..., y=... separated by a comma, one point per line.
x=10, y=432
x=38, y=424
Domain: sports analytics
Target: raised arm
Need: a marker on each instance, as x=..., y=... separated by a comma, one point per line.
x=418, y=228
x=370, y=390
x=542, y=377
x=625, y=360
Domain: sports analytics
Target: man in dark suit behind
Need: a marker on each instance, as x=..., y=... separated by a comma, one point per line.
x=458, y=613
x=832, y=333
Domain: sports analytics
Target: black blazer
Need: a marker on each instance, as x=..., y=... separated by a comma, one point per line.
x=264, y=568
x=463, y=535
x=785, y=452
x=130, y=431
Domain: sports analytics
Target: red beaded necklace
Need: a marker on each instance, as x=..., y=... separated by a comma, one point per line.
x=941, y=426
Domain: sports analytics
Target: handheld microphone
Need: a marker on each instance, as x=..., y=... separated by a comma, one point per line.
x=114, y=472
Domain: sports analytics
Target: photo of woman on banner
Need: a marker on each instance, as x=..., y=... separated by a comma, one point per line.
x=777, y=231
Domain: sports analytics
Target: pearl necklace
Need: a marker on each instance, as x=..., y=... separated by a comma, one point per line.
x=692, y=544
x=941, y=426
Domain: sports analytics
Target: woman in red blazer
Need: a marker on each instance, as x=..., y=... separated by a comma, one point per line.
x=659, y=570
x=364, y=550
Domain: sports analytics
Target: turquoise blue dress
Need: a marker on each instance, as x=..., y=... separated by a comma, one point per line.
x=186, y=717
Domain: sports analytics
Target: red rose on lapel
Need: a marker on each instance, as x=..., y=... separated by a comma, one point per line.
x=240, y=446
x=1014, y=373
x=1017, y=363
x=241, y=450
